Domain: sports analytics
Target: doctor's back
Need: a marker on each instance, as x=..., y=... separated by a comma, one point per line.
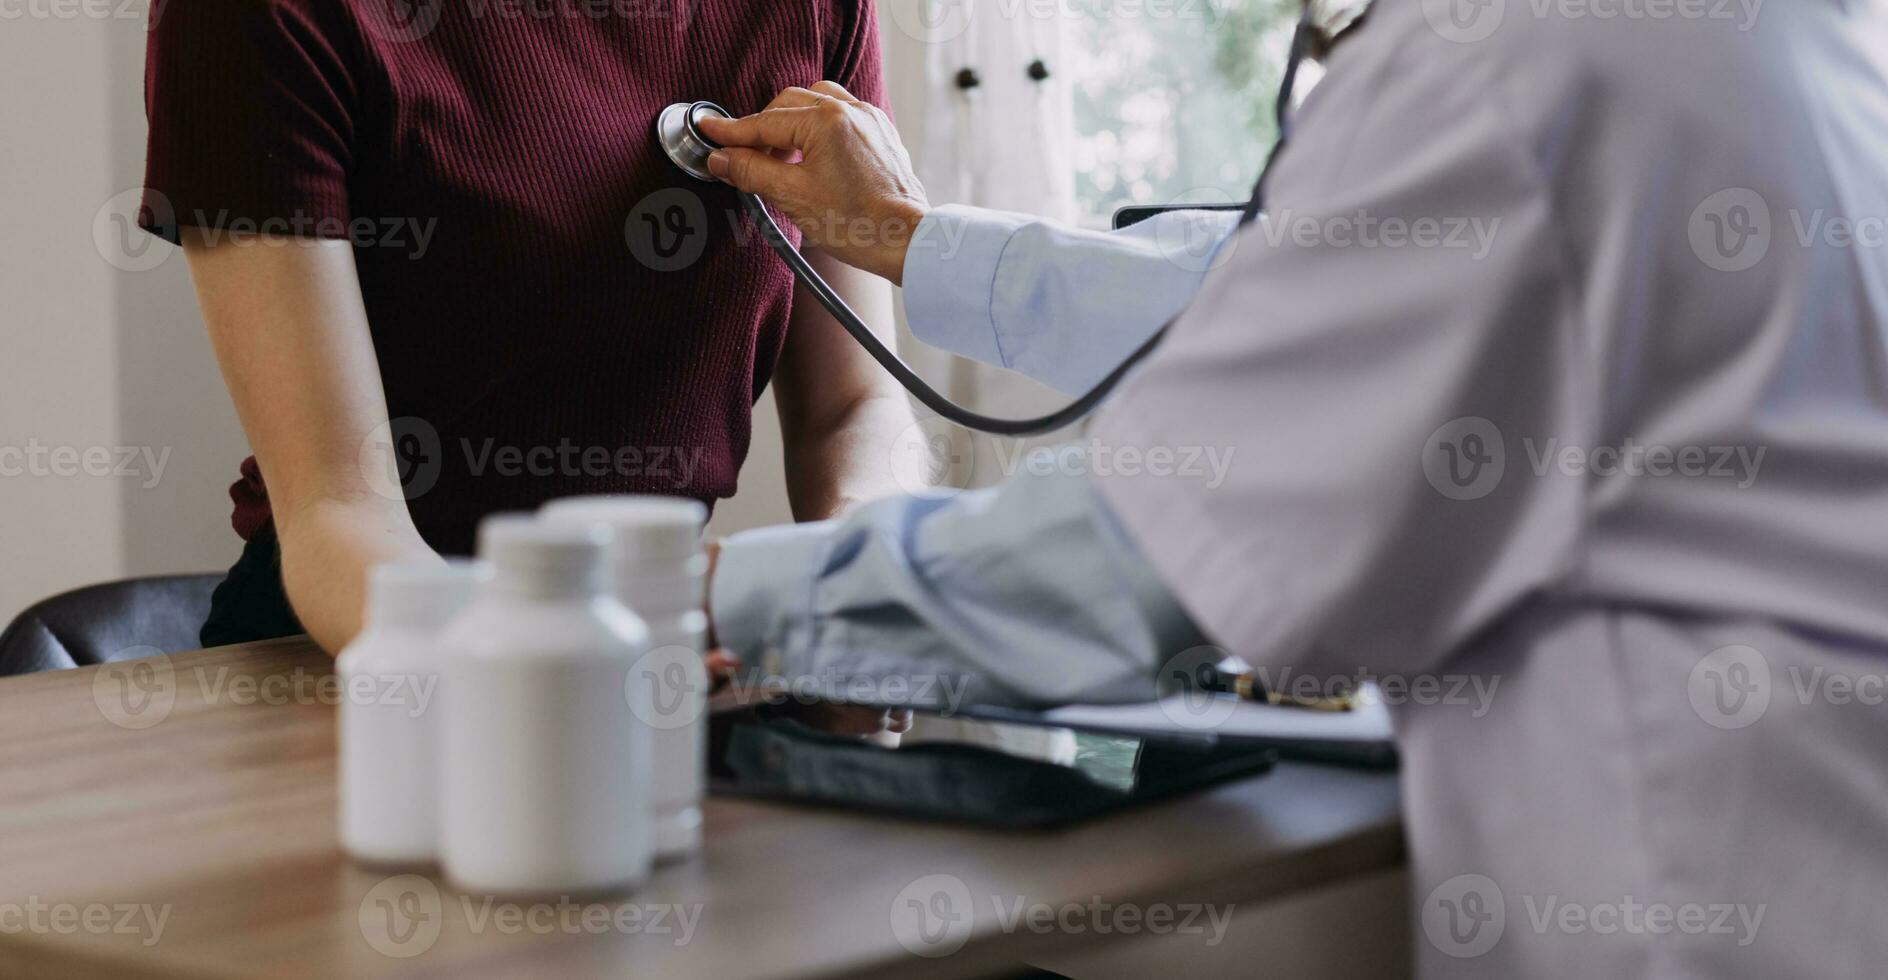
x=1651, y=409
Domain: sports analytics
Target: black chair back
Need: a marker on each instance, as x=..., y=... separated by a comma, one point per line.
x=124, y=620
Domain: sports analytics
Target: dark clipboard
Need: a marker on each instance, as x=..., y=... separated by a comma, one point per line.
x=755, y=753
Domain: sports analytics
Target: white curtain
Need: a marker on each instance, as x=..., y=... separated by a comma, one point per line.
x=1002, y=144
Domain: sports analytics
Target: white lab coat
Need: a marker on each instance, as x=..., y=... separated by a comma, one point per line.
x=1683, y=767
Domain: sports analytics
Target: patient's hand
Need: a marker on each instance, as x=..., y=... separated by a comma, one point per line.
x=852, y=191
x=847, y=719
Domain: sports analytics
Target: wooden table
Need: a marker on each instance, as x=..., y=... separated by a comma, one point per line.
x=199, y=790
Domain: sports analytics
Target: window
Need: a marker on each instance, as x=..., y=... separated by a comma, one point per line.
x=1173, y=99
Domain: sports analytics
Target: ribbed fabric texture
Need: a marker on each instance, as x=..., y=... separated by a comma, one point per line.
x=540, y=328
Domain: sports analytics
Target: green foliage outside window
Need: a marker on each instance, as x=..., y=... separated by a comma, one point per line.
x=1173, y=98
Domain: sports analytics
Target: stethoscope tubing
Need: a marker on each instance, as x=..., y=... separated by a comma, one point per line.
x=929, y=397
x=926, y=395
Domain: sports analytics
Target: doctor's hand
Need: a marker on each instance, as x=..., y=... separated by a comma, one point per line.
x=835, y=166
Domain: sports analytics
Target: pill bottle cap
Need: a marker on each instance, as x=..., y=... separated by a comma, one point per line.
x=642, y=528
x=543, y=556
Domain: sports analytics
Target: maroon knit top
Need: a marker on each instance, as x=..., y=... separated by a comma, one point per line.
x=555, y=308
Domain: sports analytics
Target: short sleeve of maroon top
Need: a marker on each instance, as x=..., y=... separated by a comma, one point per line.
x=252, y=107
x=554, y=308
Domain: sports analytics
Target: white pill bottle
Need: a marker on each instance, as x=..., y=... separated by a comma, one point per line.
x=545, y=786
x=390, y=710
x=659, y=569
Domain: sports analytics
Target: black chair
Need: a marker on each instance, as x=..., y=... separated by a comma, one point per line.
x=138, y=617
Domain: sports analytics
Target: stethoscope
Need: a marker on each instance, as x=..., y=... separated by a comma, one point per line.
x=681, y=138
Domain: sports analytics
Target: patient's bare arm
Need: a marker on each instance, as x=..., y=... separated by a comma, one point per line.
x=290, y=333
x=844, y=421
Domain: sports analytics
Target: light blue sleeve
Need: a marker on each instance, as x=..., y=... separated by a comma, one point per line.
x=1025, y=594
x=1062, y=305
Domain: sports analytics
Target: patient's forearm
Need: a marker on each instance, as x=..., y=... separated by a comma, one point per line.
x=328, y=548
x=292, y=339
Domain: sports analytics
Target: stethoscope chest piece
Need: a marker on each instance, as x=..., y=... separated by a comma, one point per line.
x=685, y=145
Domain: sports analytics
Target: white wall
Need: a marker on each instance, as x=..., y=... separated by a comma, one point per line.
x=170, y=395
x=94, y=357
x=102, y=347
x=101, y=344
